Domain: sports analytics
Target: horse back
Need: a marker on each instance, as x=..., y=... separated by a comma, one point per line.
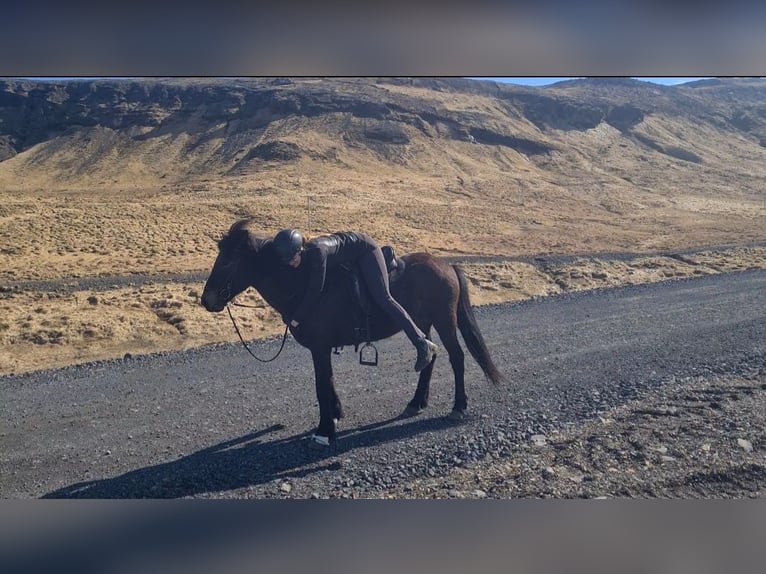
x=423, y=284
x=427, y=288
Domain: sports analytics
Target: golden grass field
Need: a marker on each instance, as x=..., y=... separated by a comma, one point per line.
x=68, y=234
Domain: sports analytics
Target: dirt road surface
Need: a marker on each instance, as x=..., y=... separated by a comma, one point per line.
x=650, y=390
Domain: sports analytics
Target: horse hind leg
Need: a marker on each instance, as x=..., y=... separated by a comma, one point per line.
x=448, y=334
x=420, y=401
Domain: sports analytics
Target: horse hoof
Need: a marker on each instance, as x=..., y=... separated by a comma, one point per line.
x=412, y=411
x=456, y=416
x=320, y=440
x=318, y=447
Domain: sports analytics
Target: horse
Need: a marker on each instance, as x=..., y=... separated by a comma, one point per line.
x=433, y=291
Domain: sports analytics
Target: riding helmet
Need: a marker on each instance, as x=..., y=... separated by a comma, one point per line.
x=287, y=243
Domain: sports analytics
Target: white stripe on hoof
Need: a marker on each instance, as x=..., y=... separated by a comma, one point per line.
x=319, y=439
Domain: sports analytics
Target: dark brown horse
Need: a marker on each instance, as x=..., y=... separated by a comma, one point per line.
x=434, y=293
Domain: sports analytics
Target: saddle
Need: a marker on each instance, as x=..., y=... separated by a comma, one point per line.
x=364, y=304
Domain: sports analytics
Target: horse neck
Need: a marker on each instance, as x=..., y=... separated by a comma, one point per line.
x=270, y=294
x=275, y=284
x=275, y=294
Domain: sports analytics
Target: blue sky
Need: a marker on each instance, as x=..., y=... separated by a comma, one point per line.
x=667, y=81
x=533, y=81
x=523, y=81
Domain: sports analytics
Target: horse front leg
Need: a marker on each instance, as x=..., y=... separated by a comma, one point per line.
x=330, y=409
x=457, y=360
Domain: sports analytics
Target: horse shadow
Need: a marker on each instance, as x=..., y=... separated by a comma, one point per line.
x=246, y=461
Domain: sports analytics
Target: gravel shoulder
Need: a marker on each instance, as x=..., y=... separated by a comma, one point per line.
x=693, y=438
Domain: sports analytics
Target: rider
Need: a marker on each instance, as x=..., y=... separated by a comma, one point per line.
x=328, y=251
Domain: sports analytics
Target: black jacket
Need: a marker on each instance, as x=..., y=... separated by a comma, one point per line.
x=323, y=253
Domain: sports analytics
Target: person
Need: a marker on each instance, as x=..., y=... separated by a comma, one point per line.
x=328, y=251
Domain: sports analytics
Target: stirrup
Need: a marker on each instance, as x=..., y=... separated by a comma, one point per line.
x=372, y=355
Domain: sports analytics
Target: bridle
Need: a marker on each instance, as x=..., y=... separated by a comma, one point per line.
x=225, y=294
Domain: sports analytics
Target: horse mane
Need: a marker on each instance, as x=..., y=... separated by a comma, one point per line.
x=242, y=233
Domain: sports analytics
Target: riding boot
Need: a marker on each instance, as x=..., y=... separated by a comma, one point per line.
x=426, y=353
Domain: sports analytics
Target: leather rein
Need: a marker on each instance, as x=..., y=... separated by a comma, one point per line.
x=236, y=328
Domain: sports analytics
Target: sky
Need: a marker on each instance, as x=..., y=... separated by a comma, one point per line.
x=667, y=81
x=533, y=81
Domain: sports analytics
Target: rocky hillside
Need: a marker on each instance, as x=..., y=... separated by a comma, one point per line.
x=134, y=175
x=154, y=131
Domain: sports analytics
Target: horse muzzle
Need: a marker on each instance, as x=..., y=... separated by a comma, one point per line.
x=212, y=302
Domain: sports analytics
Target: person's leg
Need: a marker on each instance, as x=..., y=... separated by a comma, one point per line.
x=373, y=269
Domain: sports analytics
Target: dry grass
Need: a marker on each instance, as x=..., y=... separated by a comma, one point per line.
x=60, y=234
x=42, y=330
x=49, y=329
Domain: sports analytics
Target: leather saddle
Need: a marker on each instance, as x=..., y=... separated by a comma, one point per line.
x=363, y=301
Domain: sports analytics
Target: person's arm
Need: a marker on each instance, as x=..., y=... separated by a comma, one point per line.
x=316, y=259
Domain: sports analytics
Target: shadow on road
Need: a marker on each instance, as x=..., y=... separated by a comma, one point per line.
x=246, y=461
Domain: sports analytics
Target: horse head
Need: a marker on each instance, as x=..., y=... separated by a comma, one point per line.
x=244, y=259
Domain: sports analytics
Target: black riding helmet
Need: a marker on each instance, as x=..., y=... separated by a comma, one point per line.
x=287, y=243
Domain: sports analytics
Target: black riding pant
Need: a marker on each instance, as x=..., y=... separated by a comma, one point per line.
x=372, y=266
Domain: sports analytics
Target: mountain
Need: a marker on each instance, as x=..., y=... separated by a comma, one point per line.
x=85, y=132
x=572, y=164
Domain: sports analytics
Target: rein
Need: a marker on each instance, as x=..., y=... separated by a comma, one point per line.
x=236, y=328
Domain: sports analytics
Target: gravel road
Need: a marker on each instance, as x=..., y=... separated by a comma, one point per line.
x=212, y=422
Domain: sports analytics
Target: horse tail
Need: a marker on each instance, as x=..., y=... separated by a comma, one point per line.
x=469, y=328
